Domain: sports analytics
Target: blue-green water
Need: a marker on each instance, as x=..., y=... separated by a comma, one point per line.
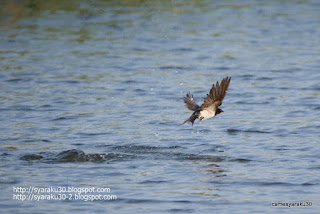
x=91, y=96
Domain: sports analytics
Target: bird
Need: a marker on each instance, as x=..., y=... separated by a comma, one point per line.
x=210, y=106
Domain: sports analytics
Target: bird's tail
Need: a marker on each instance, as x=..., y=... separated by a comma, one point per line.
x=192, y=118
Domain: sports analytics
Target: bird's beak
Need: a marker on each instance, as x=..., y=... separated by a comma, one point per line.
x=222, y=111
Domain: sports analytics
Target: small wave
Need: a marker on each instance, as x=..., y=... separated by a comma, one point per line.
x=240, y=160
x=182, y=49
x=265, y=79
x=235, y=131
x=186, y=156
x=172, y=67
x=63, y=118
x=94, y=134
x=151, y=182
x=252, y=103
x=285, y=184
x=15, y=80
x=72, y=155
x=31, y=157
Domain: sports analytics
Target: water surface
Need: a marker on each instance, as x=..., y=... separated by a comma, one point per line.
x=91, y=96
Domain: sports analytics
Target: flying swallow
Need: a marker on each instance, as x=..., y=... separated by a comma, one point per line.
x=210, y=107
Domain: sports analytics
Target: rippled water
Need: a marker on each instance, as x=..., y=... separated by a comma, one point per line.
x=91, y=96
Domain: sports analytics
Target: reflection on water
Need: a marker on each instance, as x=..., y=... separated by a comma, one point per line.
x=91, y=95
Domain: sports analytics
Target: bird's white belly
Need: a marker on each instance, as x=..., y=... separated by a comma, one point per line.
x=205, y=114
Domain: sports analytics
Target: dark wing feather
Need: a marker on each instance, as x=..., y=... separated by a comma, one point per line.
x=216, y=95
x=190, y=103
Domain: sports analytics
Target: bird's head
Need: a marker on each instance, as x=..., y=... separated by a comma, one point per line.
x=219, y=111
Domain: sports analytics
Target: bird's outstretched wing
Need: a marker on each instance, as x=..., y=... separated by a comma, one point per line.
x=216, y=95
x=190, y=103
